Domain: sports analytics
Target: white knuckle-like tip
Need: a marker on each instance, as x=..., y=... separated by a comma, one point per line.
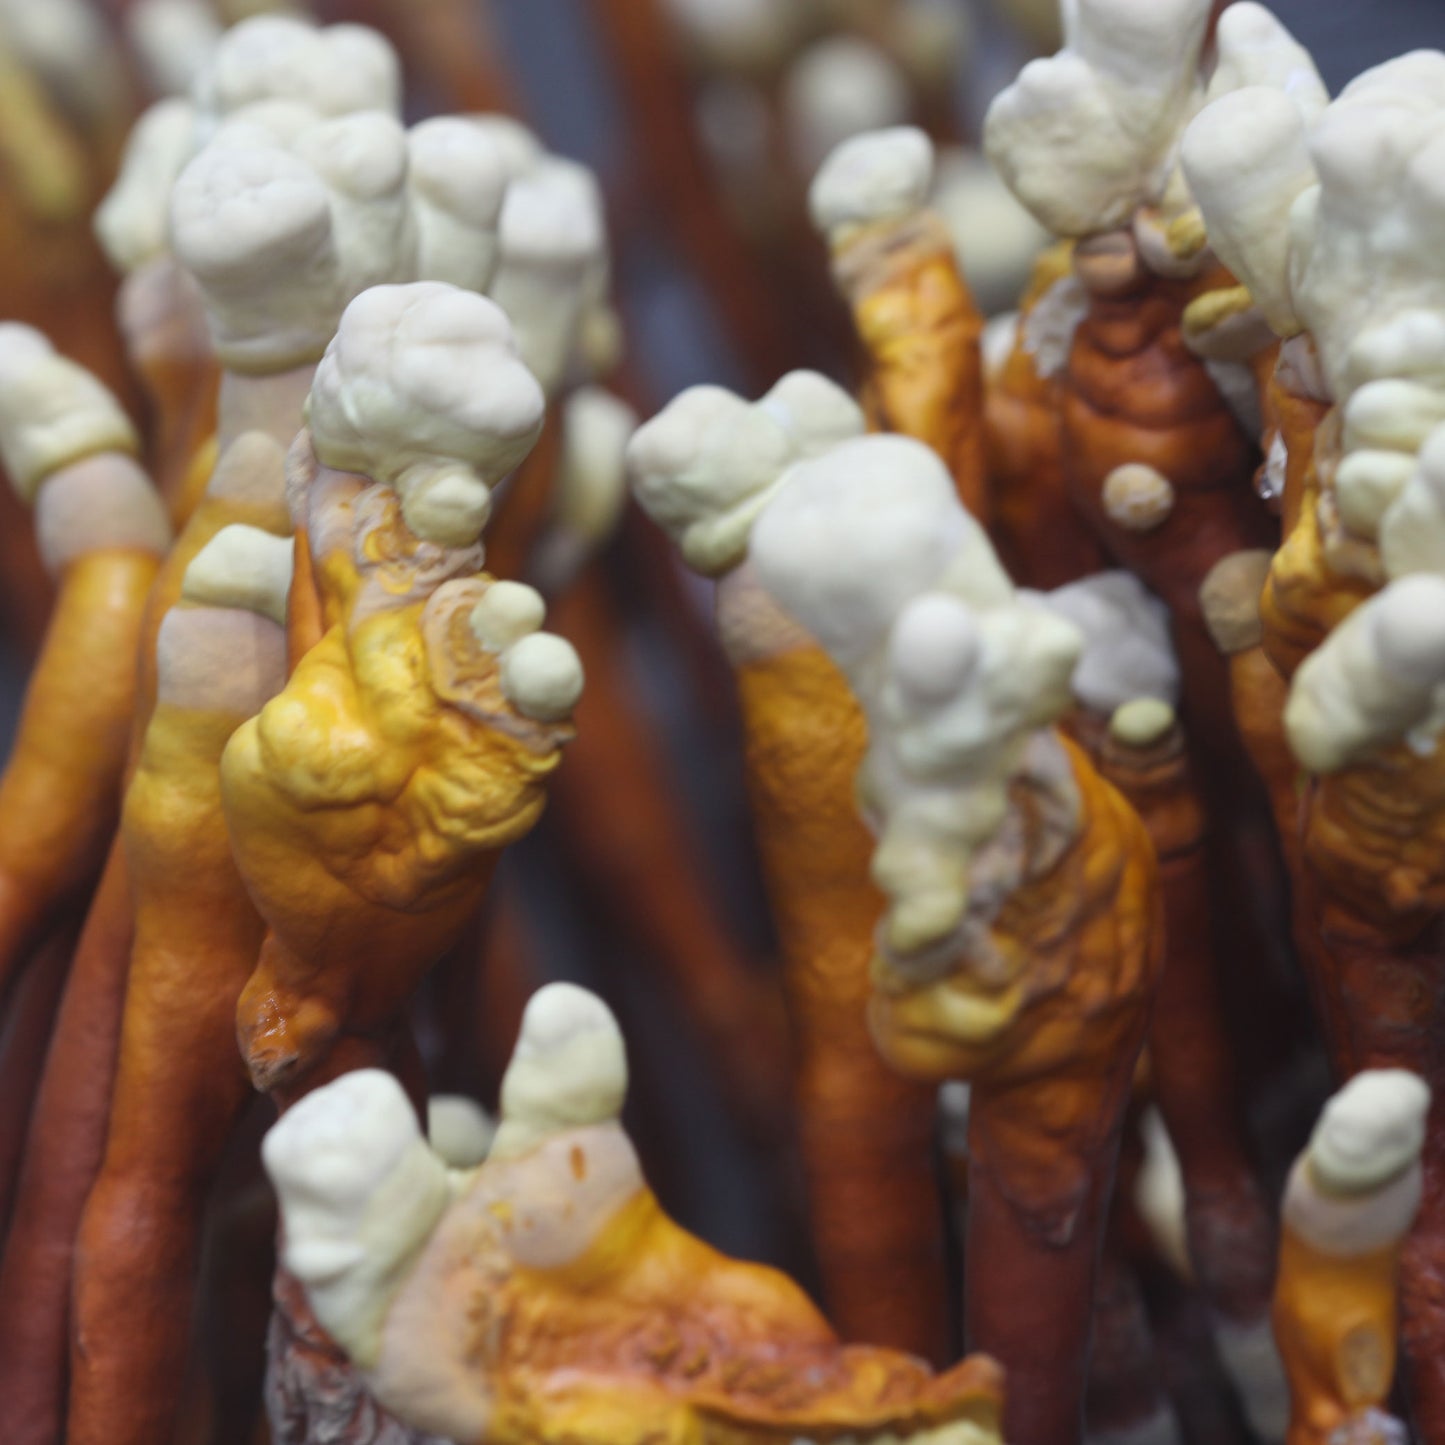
x=854, y=533
x=239, y=213
x=552, y=214
x=506, y=613
x=131, y=222
x=457, y=164
x=842, y=86
x=568, y=1070
x=445, y=504
x=872, y=177
x=541, y=676
x=1370, y=1130
x=1233, y=135
x=52, y=411
x=1408, y=621
x=361, y=155
x=935, y=645
x=339, y=1140
x=703, y=466
x=338, y=69
x=459, y=1130
x=559, y=1013
x=242, y=566
x=516, y=145
x=421, y=382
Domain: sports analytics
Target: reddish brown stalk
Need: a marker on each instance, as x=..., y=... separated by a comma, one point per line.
x=67, y=1138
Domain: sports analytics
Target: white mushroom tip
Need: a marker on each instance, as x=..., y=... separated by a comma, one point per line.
x=506, y=613
x=242, y=566
x=872, y=177
x=459, y=1130
x=541, y=676
x=568, y=1070
x=1370, y=1131
x=1141, y=722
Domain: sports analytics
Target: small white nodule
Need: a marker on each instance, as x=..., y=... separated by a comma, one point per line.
x=541, y=676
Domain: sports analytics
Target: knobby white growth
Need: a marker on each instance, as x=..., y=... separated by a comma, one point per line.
x=242, y=566
x=282, y=230
x=1377, y=679
x=1127, y=651
x=360, y=1193
x=1357, y=1186
x=422, y=388
x=1086, y=137
x=704, y=466
x=457, y=176
x=868, y=547
x=881, y=175
x=52, y=411
x=552, y=261
x=132, y=221
x=336, y=69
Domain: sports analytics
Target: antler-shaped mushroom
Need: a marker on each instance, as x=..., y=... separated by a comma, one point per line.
x=545, y=1293
x=1020, y=944
x=1126, y=684
x=893, y=259
x=1365, y=715
x=704, y=468
x=1349, y=1204
x=70, y=451
x=369, y=800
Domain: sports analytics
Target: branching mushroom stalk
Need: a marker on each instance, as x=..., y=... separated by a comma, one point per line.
x=1022, y=938
x=70, y=450
x=704, y=468
x=1348, y=1206
x=894, y=262
x=545, y=1294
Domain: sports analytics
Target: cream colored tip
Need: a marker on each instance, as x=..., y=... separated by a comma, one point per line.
x=1412, y=532
x=243, y=567
x=1254, y=49
x=853, y=535
x=1365, y=243
x=174, y=41
x=422, y=388
x=517, y=147
x=568, y=1070
x=336, y=70
x=457, y=176
x=1127, y=651
x=360, y=1191
x=1378, y=679
x=1086, y=137
x=841, y=87
x=705, y=465
x=52, y=412
x=506, y=613
x=541, y=676
x=459, y=1130
x=132, y=221
x=1229, y=597
x=1246, y=160
x=1142, y=723
x=882, y=175
x=253, y=225
x=1138, y=497
x=1370, y=1131
x=552, y=251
